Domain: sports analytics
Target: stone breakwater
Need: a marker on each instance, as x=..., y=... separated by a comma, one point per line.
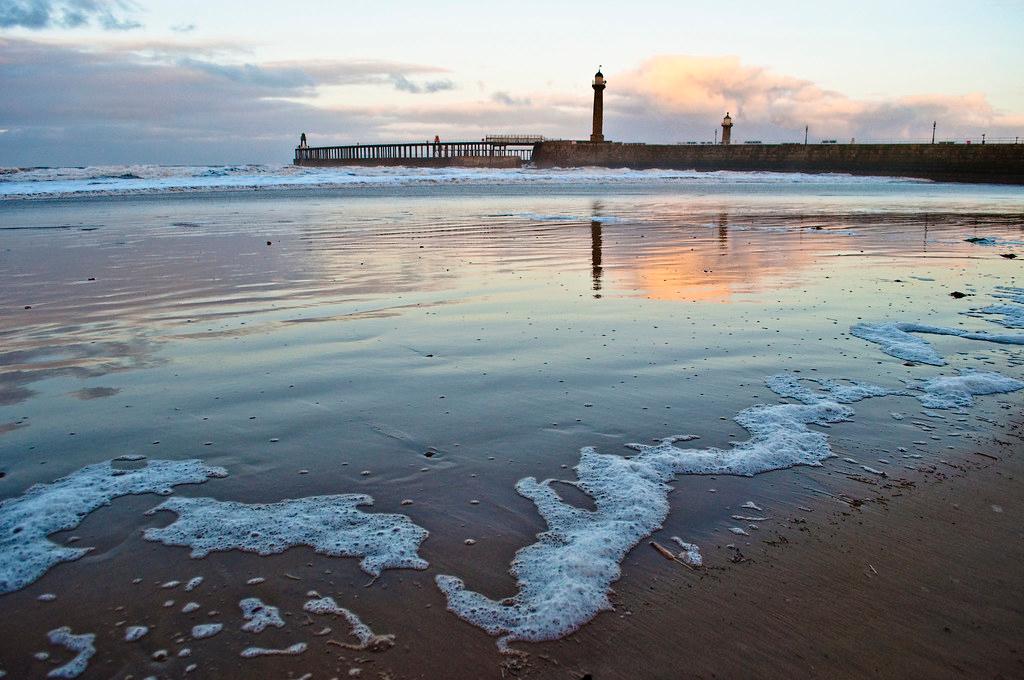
x=984, y=163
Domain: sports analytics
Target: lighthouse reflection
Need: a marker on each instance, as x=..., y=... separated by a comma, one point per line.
x=595, y=256
x=596, y=208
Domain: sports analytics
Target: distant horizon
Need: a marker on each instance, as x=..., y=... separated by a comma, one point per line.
x=117, y=83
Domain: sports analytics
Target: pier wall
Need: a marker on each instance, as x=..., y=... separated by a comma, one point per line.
x=990, y=163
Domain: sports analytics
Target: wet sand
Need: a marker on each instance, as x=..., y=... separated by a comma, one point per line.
x=924, y=581
x=917, y=578
x=500, y=334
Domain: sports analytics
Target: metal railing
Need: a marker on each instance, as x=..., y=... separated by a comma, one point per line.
x=980, y=139
x=514, y=139
x=409, y=151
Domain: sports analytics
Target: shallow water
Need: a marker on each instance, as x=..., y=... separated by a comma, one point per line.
x=499, y=328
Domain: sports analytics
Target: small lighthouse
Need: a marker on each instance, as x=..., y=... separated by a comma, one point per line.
x=726, y=129
x=599, y=85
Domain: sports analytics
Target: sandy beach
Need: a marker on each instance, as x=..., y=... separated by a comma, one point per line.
x=432, y=376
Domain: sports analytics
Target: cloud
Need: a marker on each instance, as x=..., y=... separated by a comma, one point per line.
x=403, y=84
x=690, y=94
x=279, y=78
x=193, y=102
x=183, y=28
x=508, y=100
x=149, y=102
x=43, y=14
x=86, y=107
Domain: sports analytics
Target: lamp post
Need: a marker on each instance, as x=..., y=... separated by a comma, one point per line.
x=806, y=128
x=934, y=123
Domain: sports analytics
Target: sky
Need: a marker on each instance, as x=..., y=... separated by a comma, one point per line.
x=89, y=82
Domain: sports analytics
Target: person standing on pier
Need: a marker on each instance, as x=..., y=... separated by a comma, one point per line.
x=437, y=145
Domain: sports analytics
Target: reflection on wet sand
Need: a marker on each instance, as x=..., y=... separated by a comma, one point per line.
x=43, y=358
x=84, y=304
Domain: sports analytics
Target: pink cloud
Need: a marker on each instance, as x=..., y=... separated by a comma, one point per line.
x=704, y=88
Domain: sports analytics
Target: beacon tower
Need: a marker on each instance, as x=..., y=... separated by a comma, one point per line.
x=726, y=129
x=599, y=85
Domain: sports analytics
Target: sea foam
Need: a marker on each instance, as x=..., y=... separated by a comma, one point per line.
x=81, y=644
x=156, y=179
x=331, y=525
x=1012, y=311
x=367, y=638
x=133, y=633
x=843, y=391
x=206, y=630
x=564, y=577
x=896, y=340
x=258, y=615
x=25, y=521
x=291, y=650
x=959, y=390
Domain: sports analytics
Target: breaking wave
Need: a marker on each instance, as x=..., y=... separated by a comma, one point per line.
x=124, y=180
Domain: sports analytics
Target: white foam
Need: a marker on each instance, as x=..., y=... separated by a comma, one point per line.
x=27, y=520
x=133, y=633
x=691, y=553
x=367, y=638
x=81, y=644
x=292, y=650
x=1012, y=312
x=1012, y=315
x=189, y=607
x=193, y=583
x=896, y=340
x=959, y=390
x=331, y=525
x=205, y=630
x=565, y=576
x=149, y=179
x=841, y=391
x=259, y=615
